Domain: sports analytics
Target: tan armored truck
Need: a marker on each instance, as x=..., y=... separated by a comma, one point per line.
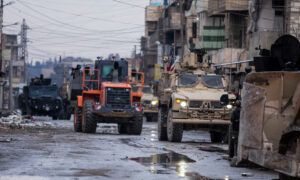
x=150, y=104
x=269, y=121
x=190, y=99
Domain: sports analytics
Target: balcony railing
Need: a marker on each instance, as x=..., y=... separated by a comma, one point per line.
x=216, y=7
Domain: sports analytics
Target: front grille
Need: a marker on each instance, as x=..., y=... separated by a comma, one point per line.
x=216, y=104
x=147, y=102
x=46, y=100
x=118, y=98
x=196, y=104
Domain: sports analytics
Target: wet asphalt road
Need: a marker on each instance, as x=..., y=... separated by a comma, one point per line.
x=64, y=154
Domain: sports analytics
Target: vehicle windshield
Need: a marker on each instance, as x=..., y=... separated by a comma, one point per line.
x=107, y=71
x=147, y=89
x=187, y=79
x=43, y=91
x=213, y=81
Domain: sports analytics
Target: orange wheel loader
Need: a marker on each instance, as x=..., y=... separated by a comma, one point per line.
x=107, y=97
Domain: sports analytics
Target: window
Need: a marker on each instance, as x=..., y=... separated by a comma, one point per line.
x=212, y=81
x=194, y=30
x=107, y=71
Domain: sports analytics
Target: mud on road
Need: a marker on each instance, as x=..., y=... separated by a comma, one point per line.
x=60, y=153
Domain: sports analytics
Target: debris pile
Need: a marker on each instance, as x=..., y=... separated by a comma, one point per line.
x=17, y=121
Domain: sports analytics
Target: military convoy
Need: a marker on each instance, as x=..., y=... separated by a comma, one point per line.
x=189, y=99
x=41, y=98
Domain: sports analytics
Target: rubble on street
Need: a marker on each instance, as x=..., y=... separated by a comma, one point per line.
x=18, y=121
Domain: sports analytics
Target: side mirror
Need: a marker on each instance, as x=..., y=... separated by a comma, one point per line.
x=224, y=100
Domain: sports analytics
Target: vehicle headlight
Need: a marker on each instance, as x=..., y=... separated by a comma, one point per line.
x=183, y=104
x=154, y=102
x=229, y=106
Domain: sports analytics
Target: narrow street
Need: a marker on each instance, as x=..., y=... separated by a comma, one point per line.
x=60, y=153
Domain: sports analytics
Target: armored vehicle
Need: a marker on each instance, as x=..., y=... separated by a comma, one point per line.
x=268, y=121
x=150, y=104
x=107, y=97
x=189, y=99
x=41, y=98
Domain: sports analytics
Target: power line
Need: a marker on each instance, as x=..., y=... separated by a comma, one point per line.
x=57, y=21
x=130, y=4
x=80, y=15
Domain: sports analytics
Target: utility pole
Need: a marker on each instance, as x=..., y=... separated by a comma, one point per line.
x=1, y=60
x=134, y=60
x=10, y=78
x=24, y=53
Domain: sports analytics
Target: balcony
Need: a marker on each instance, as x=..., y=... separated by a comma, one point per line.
x=153, y=13
x=217, y=7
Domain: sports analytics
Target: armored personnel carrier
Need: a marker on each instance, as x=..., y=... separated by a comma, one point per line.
x=41, y=98
x=189, y=99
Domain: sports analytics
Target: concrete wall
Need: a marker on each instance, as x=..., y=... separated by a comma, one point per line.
x=228, y=55
x=266, y=16
x=293, y=17
x=264, y=39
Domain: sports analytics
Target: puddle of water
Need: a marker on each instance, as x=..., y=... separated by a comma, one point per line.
x=167, y=163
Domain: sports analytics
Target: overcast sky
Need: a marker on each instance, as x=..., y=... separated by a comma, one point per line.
x=85, y=28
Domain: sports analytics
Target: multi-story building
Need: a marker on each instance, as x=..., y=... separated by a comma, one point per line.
x=10, y=51
x=164, y=26
x=150, y=42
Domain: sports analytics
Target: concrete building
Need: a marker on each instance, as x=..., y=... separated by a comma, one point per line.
x=164, y=31
x=10, y=47
x=150, y=42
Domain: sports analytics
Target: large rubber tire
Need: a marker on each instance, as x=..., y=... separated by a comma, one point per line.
x=122, y=128
x=135, y=127
x=154, y=117
x=89, y=124
x=286, y=177
x=162, y=124
x=175, y=130
x=290, y=148
x=216, y=137
x=149, y=118
x=78, y=119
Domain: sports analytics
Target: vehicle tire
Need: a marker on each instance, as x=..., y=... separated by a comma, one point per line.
x=290, y=147
x=216, y=137
x=122, y=128
x=78, y=119
x=135, y=128
x=161, y=124
x=175, y=130
x=286, y=177
x=89, y=125
x=154, y=117
x=28, y=111
x=149, y=118
x=23, y=112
